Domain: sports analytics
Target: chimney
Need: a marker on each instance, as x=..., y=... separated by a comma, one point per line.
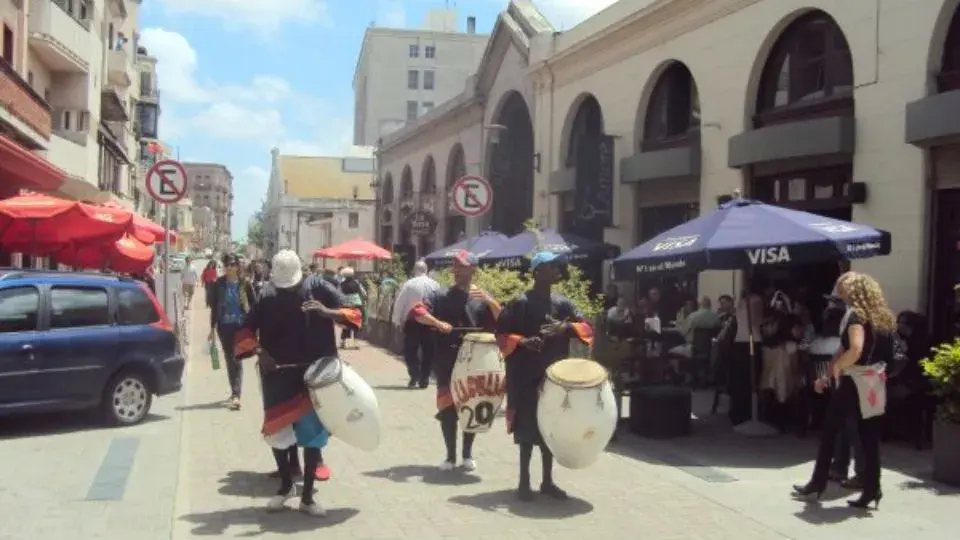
x=471, y=25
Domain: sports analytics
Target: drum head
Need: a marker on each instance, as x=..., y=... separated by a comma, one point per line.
x=324, y=372
x=577, y=373
x=480, y=337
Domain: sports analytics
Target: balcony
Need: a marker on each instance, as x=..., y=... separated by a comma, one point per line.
x=124, y=138
x=61, y=41
x=119, y=68
x=69, y=156
x=72, y=124
x=20, y=104
x=113, y=107
x=118, y=8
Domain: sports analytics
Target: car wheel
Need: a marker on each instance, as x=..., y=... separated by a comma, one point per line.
x=126, y=399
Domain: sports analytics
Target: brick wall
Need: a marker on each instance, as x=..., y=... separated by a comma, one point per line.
x=22, y=102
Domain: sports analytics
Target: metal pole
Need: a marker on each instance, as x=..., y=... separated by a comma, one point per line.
x=166, y=255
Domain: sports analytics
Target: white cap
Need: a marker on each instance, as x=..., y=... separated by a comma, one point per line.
x=287, y=269
x=347, y=272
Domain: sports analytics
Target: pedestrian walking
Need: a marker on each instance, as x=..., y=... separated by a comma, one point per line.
x=418, y=339
x=354, y=296
x=232, y=298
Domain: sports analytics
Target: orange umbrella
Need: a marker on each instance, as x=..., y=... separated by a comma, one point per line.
x=354, y=249
x=127, y=255
x=38, y=224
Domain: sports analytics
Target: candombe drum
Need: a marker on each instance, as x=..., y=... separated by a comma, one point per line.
x=478, y=382
x=344, y=402
x=577, y=411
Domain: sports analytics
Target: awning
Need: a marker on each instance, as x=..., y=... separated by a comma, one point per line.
x=26, y=169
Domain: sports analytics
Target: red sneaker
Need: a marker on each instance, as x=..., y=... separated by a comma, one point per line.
x=323, y=473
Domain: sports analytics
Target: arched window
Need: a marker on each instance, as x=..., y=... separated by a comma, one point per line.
x=950, y=68
x=428, y=179
x=810, y=65
x=587, y=128
x=674, y=107
x=406, y=183
x=387, y=193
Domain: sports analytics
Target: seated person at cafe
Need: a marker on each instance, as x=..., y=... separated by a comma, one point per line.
x=620, y=321
x=703, y=318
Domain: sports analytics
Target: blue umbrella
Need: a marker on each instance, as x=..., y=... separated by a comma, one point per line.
x=479, y=246
x=743, y=234
x=516, y=251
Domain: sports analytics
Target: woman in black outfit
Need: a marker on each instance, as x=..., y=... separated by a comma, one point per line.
x=868, y=330
x=354, y=296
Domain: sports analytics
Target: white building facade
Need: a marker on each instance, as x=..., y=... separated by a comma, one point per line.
x=402, y=74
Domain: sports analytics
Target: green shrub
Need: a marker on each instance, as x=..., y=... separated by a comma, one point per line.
x=943, y=368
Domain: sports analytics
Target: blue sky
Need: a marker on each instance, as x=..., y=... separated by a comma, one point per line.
x=238, y=77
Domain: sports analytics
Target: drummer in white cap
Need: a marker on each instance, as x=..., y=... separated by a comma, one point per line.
x=533, y=332
x=290, y=327
x=449, y=311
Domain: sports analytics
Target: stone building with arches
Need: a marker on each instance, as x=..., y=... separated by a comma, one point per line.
x=649, y=111
x=486, y=130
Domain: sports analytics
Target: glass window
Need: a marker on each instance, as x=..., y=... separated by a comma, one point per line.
x=430, y=51
x=411, y=110
x=353, y=219
x=134, y=308
x=414, y=51
x=428, y=79
x=427, y=105
x=413, y=79
x=77, y=308
x=18, y=309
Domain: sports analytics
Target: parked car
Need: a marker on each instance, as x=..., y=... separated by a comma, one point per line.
x=72, y=341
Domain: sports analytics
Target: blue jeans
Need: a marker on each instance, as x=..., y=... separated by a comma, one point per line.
x=227, y=332
x=847, y=439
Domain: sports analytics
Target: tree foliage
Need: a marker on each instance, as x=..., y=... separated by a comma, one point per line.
x=255, y=229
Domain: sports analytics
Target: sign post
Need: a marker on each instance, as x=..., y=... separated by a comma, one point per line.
x=471, y=196
x=167, y=183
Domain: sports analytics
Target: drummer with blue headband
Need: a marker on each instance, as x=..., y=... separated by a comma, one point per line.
x=533, y=332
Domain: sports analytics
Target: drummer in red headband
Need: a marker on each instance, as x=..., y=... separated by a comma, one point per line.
x=533, y=332
x=453, y=312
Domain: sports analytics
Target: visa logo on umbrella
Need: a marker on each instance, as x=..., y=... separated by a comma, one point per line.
x=771, y=255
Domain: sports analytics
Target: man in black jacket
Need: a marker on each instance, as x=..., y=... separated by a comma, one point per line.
x=231, y=298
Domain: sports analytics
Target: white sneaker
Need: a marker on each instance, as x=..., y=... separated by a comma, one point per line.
x=447, y=466
x=277, y=502
x=313, y=509
x=469, y=465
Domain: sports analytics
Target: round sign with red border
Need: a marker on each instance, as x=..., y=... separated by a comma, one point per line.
x=167, y=181
x=472, y=196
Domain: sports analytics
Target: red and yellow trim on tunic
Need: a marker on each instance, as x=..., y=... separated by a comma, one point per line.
x=584, y=332
x=444, y=398
x=508, y=343
x=245, y=344
x=285, y=414
x=353, y=315
x=418, y=310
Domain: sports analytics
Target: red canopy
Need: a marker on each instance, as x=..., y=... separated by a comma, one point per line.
x=127, y=255
x=354, y=249
x=38, y=224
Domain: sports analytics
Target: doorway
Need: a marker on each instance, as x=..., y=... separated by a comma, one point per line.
x=946, y=265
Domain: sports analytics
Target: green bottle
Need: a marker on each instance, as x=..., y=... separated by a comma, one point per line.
x=214, y=355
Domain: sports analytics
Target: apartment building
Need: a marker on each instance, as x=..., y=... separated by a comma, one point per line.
x=210, y=186
x=145, y=128
x=401, y=73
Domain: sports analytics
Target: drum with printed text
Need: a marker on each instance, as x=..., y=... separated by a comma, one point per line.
x=577, y=411
x=344, y=402
x=478, y=382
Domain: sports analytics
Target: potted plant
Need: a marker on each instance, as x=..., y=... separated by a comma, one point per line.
x=943, y=368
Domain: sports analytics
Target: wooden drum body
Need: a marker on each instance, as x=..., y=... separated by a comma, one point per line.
x=344, y=402
x=478, y=382
x=577, y=411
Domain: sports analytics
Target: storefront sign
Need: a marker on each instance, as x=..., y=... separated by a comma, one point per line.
x=421, y=223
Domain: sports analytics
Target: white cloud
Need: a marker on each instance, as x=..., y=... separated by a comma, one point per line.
x=250, y=180
x=391, y=14
x=229, y=121
x=263, y=16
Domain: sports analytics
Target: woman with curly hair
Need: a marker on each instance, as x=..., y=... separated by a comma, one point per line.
x=858, y=374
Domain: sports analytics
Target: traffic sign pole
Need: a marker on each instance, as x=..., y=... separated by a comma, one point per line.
x=167, y=184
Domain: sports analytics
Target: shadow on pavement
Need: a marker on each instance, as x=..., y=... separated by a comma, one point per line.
x=539, y=508
x=213, y=405
x=815, y=514
x=286, y=522
x=248, y=484
x=427, y=474
x=394, y=387
x=38, y=425
x=926, y=482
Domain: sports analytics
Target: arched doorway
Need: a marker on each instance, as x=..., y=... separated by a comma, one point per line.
x=406, y=206
x=587, y=210
x=387, y=211
x=665, y=171
x=511, y=166
x=428, y=196
x=456, y=225
x=806, y=84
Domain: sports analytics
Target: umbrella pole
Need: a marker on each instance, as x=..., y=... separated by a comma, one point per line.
x=753, y=427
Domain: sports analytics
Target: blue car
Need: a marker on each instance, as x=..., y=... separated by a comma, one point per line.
x=74, y=341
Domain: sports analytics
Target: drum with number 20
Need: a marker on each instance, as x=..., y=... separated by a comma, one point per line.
x=577, y=411
x=478, y=382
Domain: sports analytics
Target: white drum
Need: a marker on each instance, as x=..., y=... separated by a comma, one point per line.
x=577, y=411
x=478, y=382
x=344, y=402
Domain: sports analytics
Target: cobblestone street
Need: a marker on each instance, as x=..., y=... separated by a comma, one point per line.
x=201, y=470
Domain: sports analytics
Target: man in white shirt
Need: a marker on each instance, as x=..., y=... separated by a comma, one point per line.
x=418, y=339
x=188, y=281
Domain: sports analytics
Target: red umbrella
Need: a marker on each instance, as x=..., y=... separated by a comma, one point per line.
x=144, y=230
x=354, y=249
x=127, y=255
x=38, y=224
